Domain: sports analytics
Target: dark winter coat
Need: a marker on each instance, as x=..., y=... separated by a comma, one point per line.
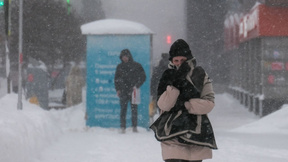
x=128, y=75
x=156, y=75
x=184, y=124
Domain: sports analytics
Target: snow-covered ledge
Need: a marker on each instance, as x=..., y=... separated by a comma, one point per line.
x=114, y=26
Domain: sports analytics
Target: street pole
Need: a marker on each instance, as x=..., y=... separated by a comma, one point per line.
x=7, y=63
x=19, y=105
x=7, y=34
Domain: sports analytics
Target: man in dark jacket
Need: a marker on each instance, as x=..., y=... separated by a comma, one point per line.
x=128, y=74
x=156, y=75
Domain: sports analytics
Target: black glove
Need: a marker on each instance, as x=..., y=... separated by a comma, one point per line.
x=183, y=70
x=180, y=76
x=188, y=92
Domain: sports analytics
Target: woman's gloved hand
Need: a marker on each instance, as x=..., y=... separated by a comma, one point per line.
x=183, y=70
x=188, y=92
x=180, y=76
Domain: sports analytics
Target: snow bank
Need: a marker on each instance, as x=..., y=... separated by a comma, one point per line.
x=273, y=123
x=24, y=133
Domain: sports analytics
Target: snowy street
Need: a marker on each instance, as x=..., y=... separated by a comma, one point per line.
x=68, y=69
x=61, y=136
x=242, y=136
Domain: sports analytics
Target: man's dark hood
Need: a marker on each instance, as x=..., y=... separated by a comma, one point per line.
x=127, y=53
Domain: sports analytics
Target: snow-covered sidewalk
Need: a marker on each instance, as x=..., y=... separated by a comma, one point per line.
x=35, y=135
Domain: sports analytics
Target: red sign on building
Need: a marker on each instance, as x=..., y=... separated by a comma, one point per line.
x=262, y=20
x=277, y=66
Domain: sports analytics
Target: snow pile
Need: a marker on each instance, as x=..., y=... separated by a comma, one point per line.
x=273, y=123
x=70, y=119
x=24, y=133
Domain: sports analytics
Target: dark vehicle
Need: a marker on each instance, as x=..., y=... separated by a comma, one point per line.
x=44, y=85
x=37, y=83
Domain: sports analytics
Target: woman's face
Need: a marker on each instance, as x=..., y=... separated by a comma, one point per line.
x=178, y=60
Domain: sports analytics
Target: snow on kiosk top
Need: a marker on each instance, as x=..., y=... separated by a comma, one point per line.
x=114, y=26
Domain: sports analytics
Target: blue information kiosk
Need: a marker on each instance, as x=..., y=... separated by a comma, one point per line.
x=105, y=40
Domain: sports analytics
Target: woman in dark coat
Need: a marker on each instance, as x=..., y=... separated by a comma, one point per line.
x=185, y=97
